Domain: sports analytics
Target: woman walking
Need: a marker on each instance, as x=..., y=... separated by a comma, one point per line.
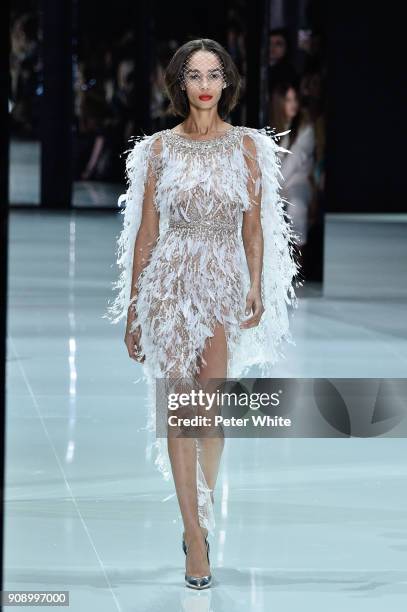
x=207, y=266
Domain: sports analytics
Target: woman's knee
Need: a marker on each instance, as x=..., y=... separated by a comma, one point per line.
x=213, y=362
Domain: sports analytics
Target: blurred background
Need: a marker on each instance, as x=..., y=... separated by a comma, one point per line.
x=86, y=76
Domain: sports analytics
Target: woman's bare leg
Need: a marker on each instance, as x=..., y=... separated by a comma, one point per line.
x=182, y=452
x=211, y=446
x=183, y=456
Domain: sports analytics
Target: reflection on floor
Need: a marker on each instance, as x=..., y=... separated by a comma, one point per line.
x=301, y=523
x=25, y=180
x=24, y=172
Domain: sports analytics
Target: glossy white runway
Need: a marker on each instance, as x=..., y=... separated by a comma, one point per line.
x=302, y=524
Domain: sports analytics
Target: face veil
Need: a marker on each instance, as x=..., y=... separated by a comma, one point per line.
x=203, y=73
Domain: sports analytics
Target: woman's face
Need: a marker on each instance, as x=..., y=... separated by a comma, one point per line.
x=203, y=79
x=277, y=48
x=291, y=104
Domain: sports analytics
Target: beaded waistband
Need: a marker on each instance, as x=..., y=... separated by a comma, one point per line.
x=198, y=226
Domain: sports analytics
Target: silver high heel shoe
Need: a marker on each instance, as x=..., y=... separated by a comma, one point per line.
x=197, y=582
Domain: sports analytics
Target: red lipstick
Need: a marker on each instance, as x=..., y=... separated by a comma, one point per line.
x=205, y=97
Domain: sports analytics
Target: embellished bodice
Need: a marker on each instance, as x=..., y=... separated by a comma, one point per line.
x=198, y=185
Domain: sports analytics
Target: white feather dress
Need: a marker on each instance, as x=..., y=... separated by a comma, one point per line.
x=197, y=274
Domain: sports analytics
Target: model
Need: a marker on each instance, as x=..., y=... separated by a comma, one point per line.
x=207, y=266
x=296, y=168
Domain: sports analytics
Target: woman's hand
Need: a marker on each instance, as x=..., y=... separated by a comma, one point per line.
x=132, y=340
x=254, y=304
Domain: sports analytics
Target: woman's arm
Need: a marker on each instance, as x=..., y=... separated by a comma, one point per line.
x=145, y=242
x=252, y=235
x=148, y=232
x=147, y=235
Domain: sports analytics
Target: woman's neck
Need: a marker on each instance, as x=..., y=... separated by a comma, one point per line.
x=204, y=125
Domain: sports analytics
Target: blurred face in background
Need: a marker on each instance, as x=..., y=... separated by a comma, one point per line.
x=277, y=48
x=291, y=104
x=203, y=79
x=125, y=75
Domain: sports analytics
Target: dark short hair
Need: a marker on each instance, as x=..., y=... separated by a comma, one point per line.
x=179, y=104
x=279, y=32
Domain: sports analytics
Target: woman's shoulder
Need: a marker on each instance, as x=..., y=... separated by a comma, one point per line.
x=266, y=132
x=248, y=135
x=244, y=129
x=145, y=143
x=264, y=139
x=247, y=132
